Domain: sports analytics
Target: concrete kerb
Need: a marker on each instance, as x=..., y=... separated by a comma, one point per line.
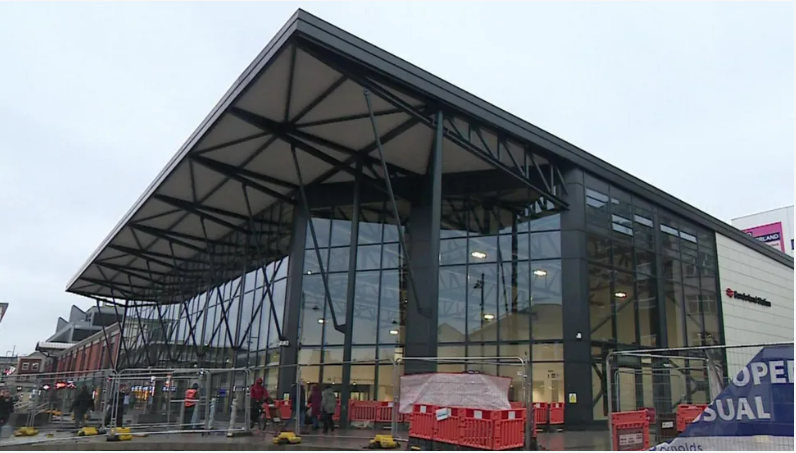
x=223, y=444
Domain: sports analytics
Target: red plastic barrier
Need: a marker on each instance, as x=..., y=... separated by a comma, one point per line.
x=336, y=416
x=492, y=434
x=631, y=430
x=284, y=410
x=423, y=419
x=449, y=430
x=540, y=413
x=686, y=413
x=556, y=413
x=508, y=414
x=363, y=411
x=384, y=412
x=282, y=405
x=516, y=404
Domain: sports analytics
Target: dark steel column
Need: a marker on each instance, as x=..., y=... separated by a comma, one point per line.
x=661, y=378
x=350, y=294
x=575, y=303
x=421, y=322
x=293, y=294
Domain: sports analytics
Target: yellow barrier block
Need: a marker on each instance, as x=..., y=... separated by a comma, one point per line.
x=88, y=431
x=383, y=441
x=120, y=434
x=287, y=438
x=26, y=431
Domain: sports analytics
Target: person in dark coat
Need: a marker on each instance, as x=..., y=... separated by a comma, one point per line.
x=117, y=405
x=81, y=405
x=6, y=407
x=315, y=406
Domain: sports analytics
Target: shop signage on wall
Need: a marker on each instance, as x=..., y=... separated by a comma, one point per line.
x=742, y=296
x=770, y=234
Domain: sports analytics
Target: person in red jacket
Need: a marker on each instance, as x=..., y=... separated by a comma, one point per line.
x=259, y=395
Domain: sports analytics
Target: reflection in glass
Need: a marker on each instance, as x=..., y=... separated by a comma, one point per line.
x=483, y=250
x=453, y=251
x=366, y=308
x=391, y=313
x=515, y=321
x=321, y=226
x=674, y=314
x=647, y=311
x=546, y=294
x=368, y=257
x=545, y=245
x=482, y=302
x=452, y=304
x=624, y=301
x=600, y=298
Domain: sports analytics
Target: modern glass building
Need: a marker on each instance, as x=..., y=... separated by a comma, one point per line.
x=342, y=205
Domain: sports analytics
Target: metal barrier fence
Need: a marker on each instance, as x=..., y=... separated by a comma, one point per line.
x=172, y=401
x=162, y=401
x=672, y=386
x=49, y=399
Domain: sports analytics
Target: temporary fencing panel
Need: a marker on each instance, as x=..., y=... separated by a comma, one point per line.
x=178, y=400
x=45, y=400
x=705, y=398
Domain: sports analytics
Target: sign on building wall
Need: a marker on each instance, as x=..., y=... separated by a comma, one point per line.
x=770, y=234
x=3, y=308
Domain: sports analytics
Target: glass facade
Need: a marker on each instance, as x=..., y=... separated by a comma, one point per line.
x=378, y=317
x=649, y=276
x=651, y=284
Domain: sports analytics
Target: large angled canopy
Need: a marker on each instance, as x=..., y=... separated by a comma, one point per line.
x=302, y=102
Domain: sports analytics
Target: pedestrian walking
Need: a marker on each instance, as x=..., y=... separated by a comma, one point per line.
x=328, y=406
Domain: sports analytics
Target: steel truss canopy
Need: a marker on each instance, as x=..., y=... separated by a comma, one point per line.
x=298, y=116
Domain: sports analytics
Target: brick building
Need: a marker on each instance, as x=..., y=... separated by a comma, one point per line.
x=90, y=354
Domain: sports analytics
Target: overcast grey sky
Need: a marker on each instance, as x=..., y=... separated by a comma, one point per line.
x=695, y=98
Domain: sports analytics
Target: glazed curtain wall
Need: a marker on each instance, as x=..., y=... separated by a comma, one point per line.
x=652, y=283
x=500, y=290
x=500, y=293
x=377, y=328
x=235, y=315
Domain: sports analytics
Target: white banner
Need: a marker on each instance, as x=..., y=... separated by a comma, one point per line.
x=477, y=391
x=728, y=443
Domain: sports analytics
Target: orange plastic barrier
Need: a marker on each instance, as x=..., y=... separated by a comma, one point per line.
x=631, y=430
x=449, y=430
x=282, y=405
x=686, y=413
x=284, y=409
x=383, y=412
x=504, y=430
x=556, y=413
x=540, y=413
x=362, y=411
x=423, y=419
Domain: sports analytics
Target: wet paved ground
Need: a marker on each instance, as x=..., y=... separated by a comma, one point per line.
x=355, y=439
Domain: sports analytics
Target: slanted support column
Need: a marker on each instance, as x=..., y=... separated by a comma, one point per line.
x=291, y=321
x=421, y=322
x=575, y=296
x=350, y=295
